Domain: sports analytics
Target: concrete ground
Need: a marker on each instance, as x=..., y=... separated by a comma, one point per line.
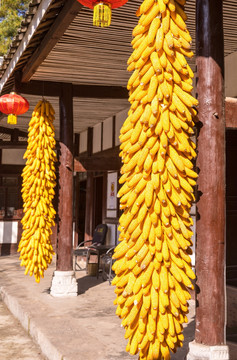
x=77, y=328
x=15, y=343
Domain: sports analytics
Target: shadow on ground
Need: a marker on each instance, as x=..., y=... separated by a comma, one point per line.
x=87, y=282
x=188, y=336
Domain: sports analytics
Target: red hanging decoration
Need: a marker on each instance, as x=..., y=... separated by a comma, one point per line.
x=13, y=105
x=102, y=10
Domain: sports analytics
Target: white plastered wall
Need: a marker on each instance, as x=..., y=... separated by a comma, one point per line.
x=107, y=134
x=83, y=142
x=13, y=156
x=8, y=232
x=97, y=138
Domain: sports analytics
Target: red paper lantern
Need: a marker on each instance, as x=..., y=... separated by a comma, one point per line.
x=102, y=10
x=13, y=105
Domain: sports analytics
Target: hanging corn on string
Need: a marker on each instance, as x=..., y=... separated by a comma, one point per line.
x=38, y=192
x=153, y=266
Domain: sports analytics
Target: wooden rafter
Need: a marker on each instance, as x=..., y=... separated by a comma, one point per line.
x=64, y=19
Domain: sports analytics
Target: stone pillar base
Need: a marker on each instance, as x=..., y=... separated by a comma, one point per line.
x=205, y=352
x=64, y=284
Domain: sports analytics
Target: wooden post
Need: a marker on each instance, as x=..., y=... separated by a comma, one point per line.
x=89, y=206
x=65, y=207
x=77, y=199
x=210, y=249
x=89, y=191
x=104, y=204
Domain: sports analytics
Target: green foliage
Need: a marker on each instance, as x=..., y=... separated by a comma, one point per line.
x=11, y=15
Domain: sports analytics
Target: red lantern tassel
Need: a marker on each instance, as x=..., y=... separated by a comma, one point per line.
x=102, y=14
x=12, y=119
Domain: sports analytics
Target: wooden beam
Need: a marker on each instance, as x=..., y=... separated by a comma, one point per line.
x=231, y=112
x=65, y=208
x=9, y=131
x=50, y=88
x=102, y=161
x=39, y=88
x=13, y=144
x=64, y=19
x=96, y=163
x=11, y=169
x=210, y=246
x=78, y=167
x=100, y=92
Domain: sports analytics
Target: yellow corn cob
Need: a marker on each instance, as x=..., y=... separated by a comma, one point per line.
x=155, y=24
x=152, y=88
x=163, y=58
x=162, y=6
x=133, y=77
x=178, y=20
x=147, y=76
x=146, y=5
x=166, y=21
x=159, y=39
x=138, y=52
x=156, y=62
x=150, y=15
x=181, y=2
x=136, y=133
x=35, y=247
x=154, y=270
x=171, y=5
x=184, y=96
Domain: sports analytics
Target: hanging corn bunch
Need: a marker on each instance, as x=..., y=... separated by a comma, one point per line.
x=153, y=266
x=38, y=192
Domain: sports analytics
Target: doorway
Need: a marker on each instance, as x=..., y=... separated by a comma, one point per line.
x=231, y=207
x=231, y=243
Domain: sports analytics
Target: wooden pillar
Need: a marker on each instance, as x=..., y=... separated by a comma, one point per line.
x=104, y=204
x=77, y=199
x=89, y=190
x=210, y=249
x=65, y=207
x=89, y=206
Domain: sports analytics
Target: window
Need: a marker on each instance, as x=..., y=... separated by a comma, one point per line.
x=10, y=196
